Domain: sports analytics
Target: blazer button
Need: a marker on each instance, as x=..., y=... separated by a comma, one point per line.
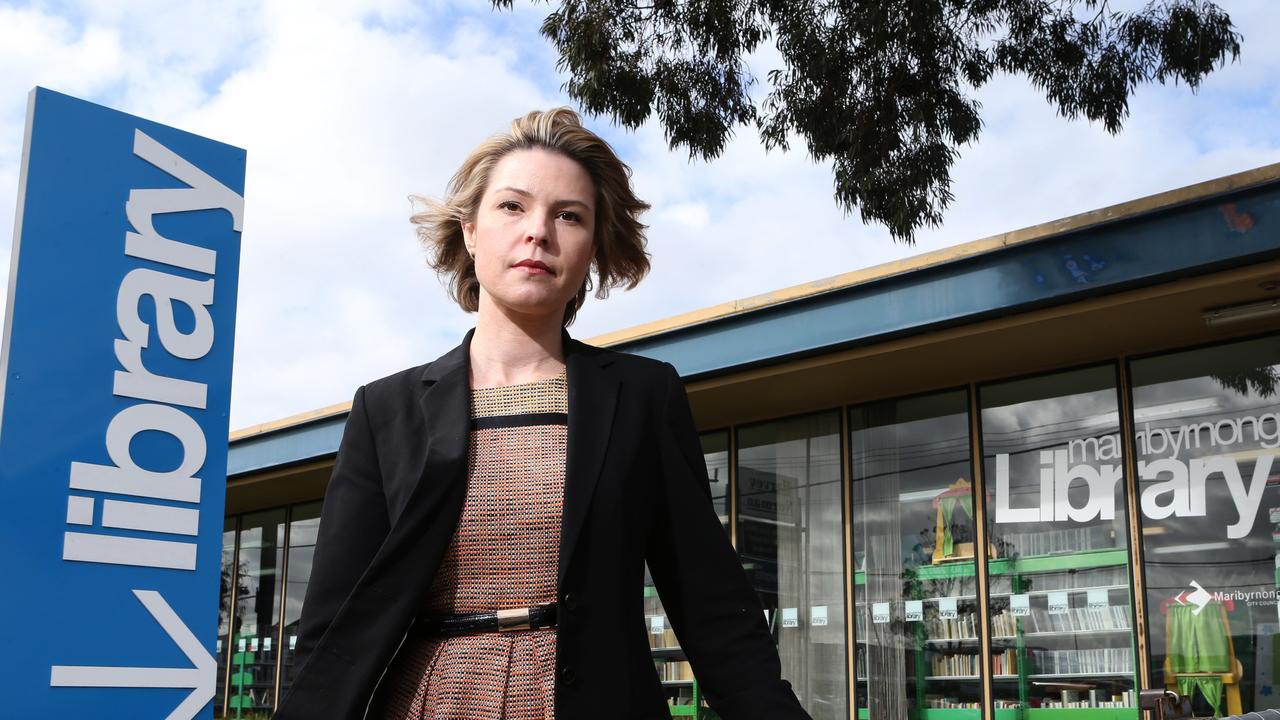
x=570, y=601
x=566, y=676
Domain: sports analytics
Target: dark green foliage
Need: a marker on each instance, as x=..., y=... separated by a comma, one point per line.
x=1258, y=381
x=882, y=88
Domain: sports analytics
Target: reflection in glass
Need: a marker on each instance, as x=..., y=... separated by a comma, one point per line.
x=1207, y=439
x=715, y=451
x=224, y=612
x=673, y=668
x=304, y=522
x=251, y=690
x=914, y=573
x=1061, y=621
x=790, y=539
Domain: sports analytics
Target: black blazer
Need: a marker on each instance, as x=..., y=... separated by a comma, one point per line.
x=635, y=490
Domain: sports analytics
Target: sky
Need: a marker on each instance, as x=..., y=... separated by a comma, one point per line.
x=346, y=107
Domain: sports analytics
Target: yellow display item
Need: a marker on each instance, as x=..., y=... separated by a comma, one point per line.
x=945, y=549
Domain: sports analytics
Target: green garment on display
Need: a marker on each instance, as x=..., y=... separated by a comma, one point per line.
x=1210, y=687
x=948, y=507
x=1198, y=644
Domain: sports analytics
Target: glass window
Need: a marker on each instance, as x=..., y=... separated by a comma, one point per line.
x=251, y=690
x=1061, y=620
x=715, y=451
x=915, y=588
x=791, y=541
x=228, y=575
x=673, y=668
x=304, y=522
x=1207, y=439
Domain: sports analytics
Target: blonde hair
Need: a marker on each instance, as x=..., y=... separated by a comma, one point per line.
x=619, y=258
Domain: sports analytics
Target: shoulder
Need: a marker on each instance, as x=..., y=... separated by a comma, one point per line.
x=646, y=381
x=630, y=365
x=395, y=388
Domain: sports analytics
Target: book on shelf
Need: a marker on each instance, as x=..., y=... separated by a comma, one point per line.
x=934, y=702
x=1114, y=617
x=675, y=670
x=954, y=665
x=1005, y=662
x=963, y=627
x=1060, y=542
x=1004, y=624
x=1082, y=662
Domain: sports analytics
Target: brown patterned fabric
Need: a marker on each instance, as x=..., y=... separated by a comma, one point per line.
x=504, y=554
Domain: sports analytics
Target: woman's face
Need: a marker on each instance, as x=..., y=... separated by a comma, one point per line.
x=532, y=233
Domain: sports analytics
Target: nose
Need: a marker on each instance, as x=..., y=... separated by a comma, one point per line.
x=538, y=229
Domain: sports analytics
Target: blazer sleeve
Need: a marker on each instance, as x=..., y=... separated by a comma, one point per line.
x=353, y=524
x=716, y=614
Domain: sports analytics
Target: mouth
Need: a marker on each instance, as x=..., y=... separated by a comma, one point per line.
x=534, y=267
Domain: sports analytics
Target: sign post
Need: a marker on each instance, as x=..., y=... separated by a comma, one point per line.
x=116, y=378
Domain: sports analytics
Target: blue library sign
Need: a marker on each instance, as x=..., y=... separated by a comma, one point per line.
x=116, y=376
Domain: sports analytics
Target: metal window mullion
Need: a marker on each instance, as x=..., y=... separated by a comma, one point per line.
x=981, y=551
x=850, y=629
x=231, y=615
x=1138, y=597
x=284, y=596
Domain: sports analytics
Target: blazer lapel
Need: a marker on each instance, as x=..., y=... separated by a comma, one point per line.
x=445, y=403
x=593, y=395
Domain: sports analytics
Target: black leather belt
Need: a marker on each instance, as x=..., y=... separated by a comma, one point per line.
x=508, y=620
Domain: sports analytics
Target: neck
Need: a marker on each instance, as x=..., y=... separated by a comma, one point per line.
x=508, y=348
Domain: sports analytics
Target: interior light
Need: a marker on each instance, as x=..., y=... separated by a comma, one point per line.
x=1194, y=547
x=1178, y=408
x=1240, y=313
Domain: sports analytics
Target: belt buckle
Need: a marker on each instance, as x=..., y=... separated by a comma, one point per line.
x=513, y=619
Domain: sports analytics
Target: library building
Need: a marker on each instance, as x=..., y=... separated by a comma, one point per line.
x=1022, y=478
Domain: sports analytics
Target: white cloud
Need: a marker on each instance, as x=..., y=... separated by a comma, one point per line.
x=346, y=108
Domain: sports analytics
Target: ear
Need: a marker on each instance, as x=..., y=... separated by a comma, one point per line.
x=468, y=237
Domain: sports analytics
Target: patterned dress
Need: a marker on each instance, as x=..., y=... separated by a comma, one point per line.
x=504, y=554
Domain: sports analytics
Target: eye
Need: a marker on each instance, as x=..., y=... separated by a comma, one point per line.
x=510, y=205
x=570, y=216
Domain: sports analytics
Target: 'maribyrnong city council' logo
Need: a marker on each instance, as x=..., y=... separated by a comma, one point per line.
x=1198, y=597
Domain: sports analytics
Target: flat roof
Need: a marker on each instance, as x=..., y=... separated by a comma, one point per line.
x=1209, y=225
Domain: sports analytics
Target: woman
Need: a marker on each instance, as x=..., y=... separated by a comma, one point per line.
x=482, y=545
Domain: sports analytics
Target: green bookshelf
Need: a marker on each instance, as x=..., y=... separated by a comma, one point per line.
x=1022, y=574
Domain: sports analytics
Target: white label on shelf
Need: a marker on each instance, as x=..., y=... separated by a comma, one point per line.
x=914, y=611
x=790, y=617
x=818, y=616
x=1275, y=515
x=217, y=646
x=293, y=642
x=240, y=645
x=947, y=608
x=880, y=613
x=1020, y=605
x=1059, y=603
x=1099, y=599
x=266, y=644
x=253, y=644
x=657, y=626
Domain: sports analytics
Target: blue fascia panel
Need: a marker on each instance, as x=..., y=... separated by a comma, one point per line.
x=1228, y=231
x=300, y=443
